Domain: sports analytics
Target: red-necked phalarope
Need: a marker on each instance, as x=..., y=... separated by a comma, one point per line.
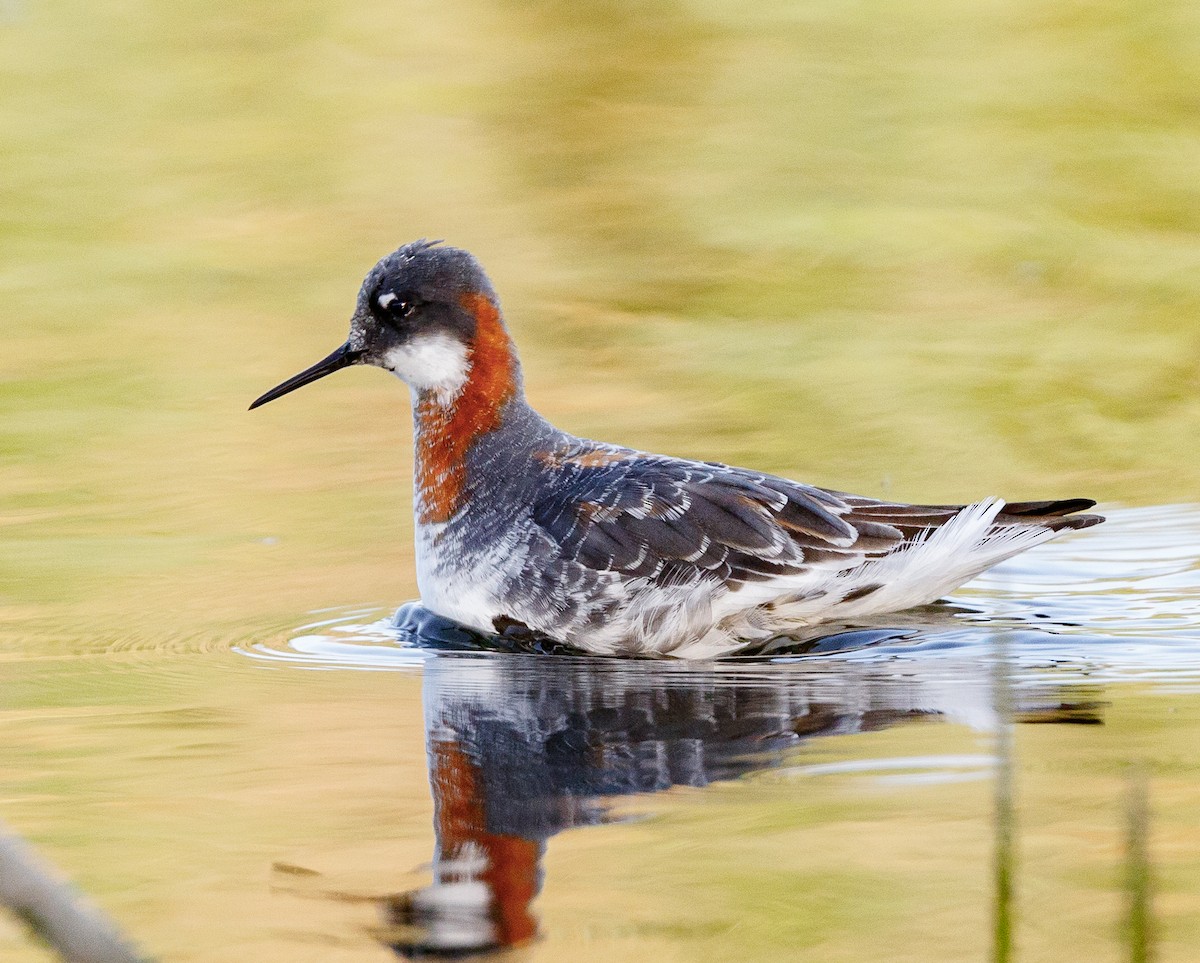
x=622, y=552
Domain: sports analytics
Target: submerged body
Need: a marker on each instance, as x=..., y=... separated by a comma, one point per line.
x=621, y=552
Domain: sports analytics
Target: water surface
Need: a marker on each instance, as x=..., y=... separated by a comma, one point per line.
x=348, y=790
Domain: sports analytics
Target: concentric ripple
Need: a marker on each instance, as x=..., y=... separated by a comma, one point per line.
x=357, y=638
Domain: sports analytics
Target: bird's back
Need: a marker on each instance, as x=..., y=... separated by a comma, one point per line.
x=619, y=551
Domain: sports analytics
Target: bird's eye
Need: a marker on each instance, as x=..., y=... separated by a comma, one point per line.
x=396, y=306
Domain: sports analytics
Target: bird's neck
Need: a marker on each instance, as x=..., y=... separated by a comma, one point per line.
x=448, y=425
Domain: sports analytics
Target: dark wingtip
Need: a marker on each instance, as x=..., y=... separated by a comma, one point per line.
x=1055, y=515
x=1074, y=522
x=1062, y=506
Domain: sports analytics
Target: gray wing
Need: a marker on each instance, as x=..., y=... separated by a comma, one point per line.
x=675, y=521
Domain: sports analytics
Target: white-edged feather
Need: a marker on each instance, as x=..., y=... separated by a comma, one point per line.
x=704, y=622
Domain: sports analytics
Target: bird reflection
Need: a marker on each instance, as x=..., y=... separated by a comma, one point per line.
x=521, y=747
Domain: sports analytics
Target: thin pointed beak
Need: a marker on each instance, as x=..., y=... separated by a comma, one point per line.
x=343, y=357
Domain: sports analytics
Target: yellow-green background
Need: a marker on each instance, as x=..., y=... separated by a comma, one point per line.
x=926, y=249
x=934, y=249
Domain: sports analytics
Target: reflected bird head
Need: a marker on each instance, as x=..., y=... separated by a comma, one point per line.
x=423, y=313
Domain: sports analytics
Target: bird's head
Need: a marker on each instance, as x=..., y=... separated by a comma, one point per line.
x=429, y=315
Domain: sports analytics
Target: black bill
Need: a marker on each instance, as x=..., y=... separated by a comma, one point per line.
x=343, y=357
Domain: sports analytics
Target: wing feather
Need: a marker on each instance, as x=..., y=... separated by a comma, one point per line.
x=678, y=522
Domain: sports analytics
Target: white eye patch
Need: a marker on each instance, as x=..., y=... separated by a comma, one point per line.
x=385, y=299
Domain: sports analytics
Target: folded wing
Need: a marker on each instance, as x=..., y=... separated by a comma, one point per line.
x=677, y=522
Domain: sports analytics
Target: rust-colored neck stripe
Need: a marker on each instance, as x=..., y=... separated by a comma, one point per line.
x=446, y=431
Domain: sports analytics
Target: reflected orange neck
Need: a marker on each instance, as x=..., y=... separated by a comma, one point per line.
x=511, y=869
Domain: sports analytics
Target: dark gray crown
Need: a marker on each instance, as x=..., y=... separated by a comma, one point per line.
x=427, y=271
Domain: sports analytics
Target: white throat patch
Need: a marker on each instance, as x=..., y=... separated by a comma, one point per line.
x=430, y=362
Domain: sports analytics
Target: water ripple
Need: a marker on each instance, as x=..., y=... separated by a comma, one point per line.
x=345, y=641
x=1121, y=602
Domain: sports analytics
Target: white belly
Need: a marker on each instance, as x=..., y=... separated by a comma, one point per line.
x=455, y=585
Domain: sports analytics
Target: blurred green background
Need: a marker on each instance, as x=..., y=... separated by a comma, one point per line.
x=920, y=248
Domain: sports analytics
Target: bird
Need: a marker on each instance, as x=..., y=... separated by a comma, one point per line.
x=521, y=527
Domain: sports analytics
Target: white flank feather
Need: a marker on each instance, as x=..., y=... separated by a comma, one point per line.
x=921, y=572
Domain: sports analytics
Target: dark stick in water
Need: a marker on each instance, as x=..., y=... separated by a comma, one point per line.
x=79, y=933
x=1003, y=858
x=1139, y=921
